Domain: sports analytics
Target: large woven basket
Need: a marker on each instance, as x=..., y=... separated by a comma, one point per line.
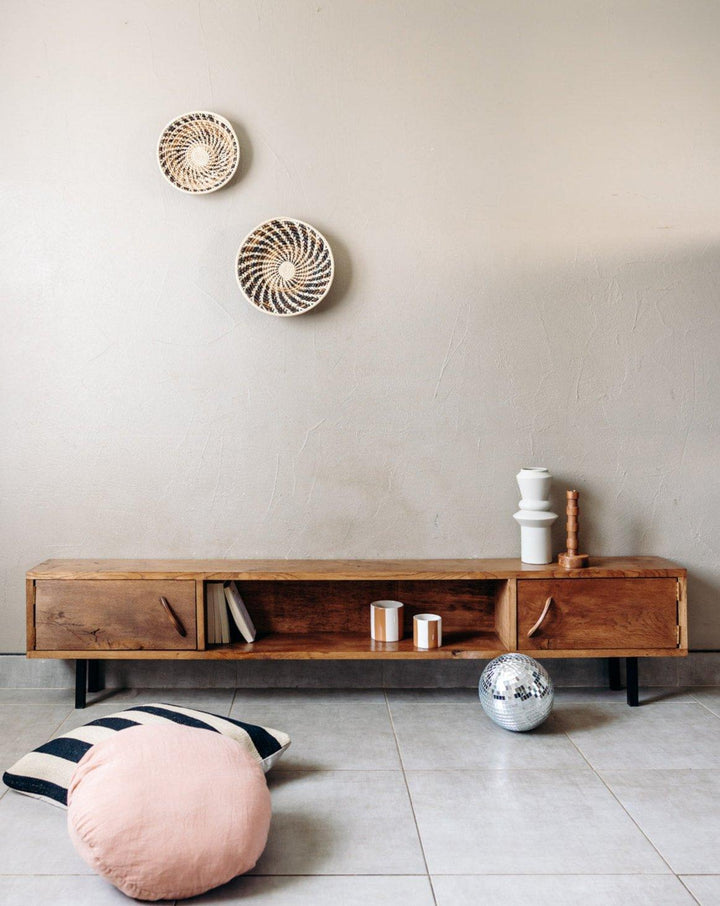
x=198, y=152
x=285, y=267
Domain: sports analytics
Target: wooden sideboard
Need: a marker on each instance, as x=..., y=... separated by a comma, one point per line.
x=90, y=610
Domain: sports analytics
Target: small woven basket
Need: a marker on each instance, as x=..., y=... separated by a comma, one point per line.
x=285, y=267
x=198, y=152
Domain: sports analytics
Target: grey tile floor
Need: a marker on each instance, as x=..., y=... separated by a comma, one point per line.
x=395, y=797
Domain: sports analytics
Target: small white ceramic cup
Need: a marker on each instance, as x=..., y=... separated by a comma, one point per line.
x=427, y=630
x=386, y=621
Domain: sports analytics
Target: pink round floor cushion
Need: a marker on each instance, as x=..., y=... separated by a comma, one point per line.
x=166, y=812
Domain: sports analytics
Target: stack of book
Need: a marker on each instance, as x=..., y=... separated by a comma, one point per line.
x=223, y=601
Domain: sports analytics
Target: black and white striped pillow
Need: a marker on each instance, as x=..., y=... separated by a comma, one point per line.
x=46, y=772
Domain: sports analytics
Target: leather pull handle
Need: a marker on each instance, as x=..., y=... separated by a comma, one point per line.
x=539, y=623
x=174, y=619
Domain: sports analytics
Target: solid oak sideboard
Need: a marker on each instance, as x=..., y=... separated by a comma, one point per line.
x=90, y=610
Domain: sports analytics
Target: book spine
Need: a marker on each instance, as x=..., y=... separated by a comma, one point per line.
x=210, y=612
x=224, y=621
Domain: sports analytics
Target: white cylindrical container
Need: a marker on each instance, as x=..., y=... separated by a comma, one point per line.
x=534, y=517
x=535, y=543
x=386, y=621
x=427, y=630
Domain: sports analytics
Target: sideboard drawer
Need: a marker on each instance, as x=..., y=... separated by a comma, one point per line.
x=124, y=615
x=598, y=613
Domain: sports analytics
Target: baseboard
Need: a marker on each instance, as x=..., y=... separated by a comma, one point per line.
x=701, y=668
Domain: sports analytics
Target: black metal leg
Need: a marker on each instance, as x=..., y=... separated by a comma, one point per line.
x=631, y=669
x=95, y=680
x=614, y=673
x=81, y=670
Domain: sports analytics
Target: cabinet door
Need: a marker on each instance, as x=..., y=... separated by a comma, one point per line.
x=129, y=614
x=598, y=614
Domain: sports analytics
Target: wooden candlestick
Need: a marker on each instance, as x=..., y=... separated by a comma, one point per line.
x=571, y=559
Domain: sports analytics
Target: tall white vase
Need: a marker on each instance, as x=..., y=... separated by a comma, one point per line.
x=534, y=516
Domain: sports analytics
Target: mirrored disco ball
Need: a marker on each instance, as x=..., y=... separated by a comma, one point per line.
x=516, y=692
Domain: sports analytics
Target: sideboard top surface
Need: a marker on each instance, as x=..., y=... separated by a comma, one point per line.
x=339, y=570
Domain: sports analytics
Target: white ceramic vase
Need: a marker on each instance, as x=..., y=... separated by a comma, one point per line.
x=534, y=516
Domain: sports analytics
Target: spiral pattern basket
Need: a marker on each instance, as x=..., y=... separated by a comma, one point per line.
x=198, y=152
x=285, y=267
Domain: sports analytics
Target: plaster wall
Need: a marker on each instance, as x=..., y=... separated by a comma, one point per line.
x=524, y=204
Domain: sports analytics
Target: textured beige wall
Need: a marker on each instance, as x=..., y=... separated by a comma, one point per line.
x=524, y=203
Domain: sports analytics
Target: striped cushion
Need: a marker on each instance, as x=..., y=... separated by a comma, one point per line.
x=46, y=772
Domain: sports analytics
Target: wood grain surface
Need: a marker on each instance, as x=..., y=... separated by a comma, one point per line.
x=346, y=647
x=341, y=606
x=320, y=609
x=105, y=614
x=312, y=646
x=506, y=612
x=599, y=613
x=279, y=570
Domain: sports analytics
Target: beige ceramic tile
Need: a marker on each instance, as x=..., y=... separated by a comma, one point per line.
x=708, y=697
x=603, y=696
x=329, y=736
x=705, y=888
x=453, y=736
x=38, y=697
x=648, y=695
x=561, y=890
x=433, y=696
x=23, y=728
x=341, y=822
x=549, y=822
x=35, y=890
x=293, y=697
x=321, y=891
x=679, y=811
x=34, y=839
x=651, y=737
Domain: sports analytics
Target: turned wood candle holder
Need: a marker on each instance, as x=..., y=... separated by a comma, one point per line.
x=571, y=559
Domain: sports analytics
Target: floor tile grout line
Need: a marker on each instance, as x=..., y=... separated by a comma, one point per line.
x=706, y=708
x=410, y=799
x=695, y=899
x=612, y=793
x=67, y=716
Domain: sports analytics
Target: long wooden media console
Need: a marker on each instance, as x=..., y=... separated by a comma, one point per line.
x=90, y=610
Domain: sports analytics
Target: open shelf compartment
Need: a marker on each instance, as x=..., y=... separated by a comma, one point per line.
x=327, y=619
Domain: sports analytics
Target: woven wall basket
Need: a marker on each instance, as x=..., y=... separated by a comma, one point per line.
x=285, y=267
x=198, y=152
